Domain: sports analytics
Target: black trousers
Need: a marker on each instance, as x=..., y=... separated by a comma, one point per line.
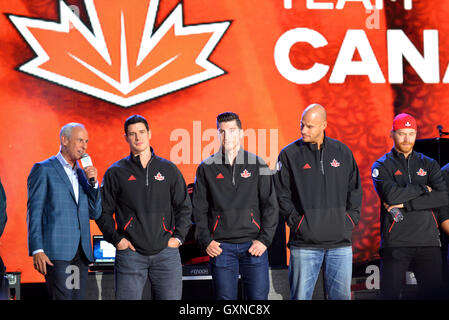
x=67, y=280
x=426, y=264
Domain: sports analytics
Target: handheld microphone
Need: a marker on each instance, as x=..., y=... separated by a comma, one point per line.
x=86, y=161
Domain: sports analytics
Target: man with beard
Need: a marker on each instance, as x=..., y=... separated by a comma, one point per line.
x=410, y=186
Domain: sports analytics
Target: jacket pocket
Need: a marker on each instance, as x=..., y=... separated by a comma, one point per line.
x=328, y=226
x=350, y=219
x=167, y=229
x=128, y=223
x=391, y=226
x=435, y=219
x=254, y=220
x=215, y=225
x=234, y=224
x=299, y=224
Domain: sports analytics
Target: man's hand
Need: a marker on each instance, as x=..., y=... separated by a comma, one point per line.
x=40, y=261
x=173, y=243
x=213, y=249
x=429, y=188
x=257, y=248
x=91, y=172
x=389, y=207
x=125, y=244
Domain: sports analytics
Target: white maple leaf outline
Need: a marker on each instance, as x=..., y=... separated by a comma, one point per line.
x=95, y=38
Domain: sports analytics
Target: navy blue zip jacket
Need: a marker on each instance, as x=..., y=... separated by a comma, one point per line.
x=319, y=193
x=234, y=203
x=151, y=204
x=398, y=180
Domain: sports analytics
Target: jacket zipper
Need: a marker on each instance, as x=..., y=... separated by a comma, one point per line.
x=436, y=222
x=391, y=227
x=254, y=220
x=321, y=161
x=127, y=224
x=352, y=221
x=215, y=226
x=165, y=227
x=297, y=228
x=147, y=182
x=408, y=169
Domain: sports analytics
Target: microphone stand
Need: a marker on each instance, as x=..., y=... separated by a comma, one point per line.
x=441, y=133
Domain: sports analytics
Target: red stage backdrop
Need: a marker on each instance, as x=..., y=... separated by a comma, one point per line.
x=180, y=63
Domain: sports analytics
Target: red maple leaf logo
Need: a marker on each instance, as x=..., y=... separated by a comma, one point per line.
x=159, y=177
x=245, y=174
x=123, y=60
x=421, y=172
x=335, y=163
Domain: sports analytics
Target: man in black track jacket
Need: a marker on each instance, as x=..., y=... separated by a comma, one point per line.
x=412, y=183
x=320, y=196
x=152, y=209
x=444, y=211
x=236, y=214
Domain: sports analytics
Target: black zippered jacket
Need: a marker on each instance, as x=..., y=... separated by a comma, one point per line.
x=319, y=193
x=151, y=204
x=443, y=212
x=234, y=203
x=398, y=180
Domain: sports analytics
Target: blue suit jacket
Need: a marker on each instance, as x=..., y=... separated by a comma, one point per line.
x=56, y=223
x=3, y=217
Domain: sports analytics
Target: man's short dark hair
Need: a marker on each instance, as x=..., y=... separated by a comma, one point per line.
x=135, y=119
x=228, y=116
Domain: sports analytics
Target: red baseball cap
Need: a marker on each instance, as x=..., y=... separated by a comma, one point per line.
x=404, y=121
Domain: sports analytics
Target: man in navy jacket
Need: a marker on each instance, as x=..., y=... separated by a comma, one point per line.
x=236, y=214
x=320, y=196
x=146, y=216
x=412, y=183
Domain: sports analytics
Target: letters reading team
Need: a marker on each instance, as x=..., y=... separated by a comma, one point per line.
x=143, y=208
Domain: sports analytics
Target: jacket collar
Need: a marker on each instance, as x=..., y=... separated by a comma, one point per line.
x=314, y=146
x=399, y=155
x=136, y=159
x=239, y=159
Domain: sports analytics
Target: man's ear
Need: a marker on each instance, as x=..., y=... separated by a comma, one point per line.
x=64, y=141
x=324, y=125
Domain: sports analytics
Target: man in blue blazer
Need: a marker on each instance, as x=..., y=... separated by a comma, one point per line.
x=4, y=291
x=61, y=200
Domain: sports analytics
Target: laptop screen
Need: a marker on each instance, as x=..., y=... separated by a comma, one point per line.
x=103, y=250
